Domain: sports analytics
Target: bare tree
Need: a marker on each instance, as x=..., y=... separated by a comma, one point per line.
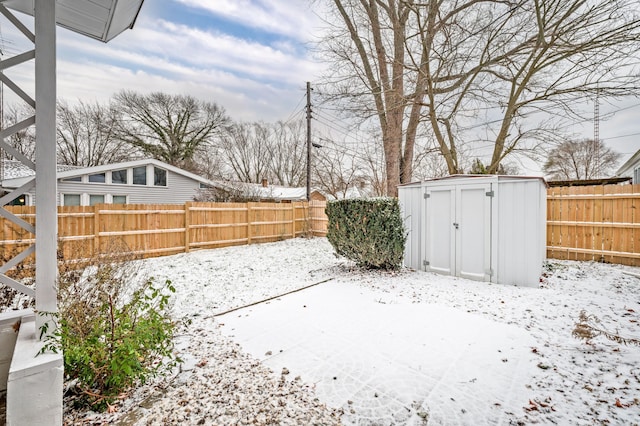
x=288, y=153
x=583, y=159
x=369, y=58
x=170, y=128
x=479, y=168
x=247, y=150
x=23, y=141
x=511, y=68
x=86, y=135
x=229, y=192
x=336, y=170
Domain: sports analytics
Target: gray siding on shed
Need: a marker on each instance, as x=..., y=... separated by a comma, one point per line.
x=493, y=227
x=411, y=200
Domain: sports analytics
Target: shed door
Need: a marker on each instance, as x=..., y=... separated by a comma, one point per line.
x=473, y=232
x=458, y=231
x=439, y=238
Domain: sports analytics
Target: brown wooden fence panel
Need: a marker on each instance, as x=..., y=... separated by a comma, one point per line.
x=161, y=229
x=596, y=223
x=599, y=223
x=318, y=217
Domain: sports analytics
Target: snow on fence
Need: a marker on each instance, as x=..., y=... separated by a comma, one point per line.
x=160, y=229
x=599, y=223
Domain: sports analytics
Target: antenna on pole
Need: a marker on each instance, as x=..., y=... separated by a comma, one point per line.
x=308, y=141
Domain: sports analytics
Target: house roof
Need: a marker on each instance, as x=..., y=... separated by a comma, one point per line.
x=16, y=174
x=627, y=168
x=13, y=169
x=270, y=192
x=587, y=182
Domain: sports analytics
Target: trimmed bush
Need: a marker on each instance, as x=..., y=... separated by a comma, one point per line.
x=368, y=231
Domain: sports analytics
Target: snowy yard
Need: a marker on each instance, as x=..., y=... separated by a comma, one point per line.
x=489, y=354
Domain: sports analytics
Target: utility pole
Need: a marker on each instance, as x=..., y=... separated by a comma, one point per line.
x=308, y=141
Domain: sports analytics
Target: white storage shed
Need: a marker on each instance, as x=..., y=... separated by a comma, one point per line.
x=480, y=227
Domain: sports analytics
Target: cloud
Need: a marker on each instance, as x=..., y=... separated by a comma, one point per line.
x=293, y=18
x=251, y=80
x=254, y=78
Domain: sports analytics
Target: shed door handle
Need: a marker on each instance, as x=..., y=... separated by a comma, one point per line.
x=456, y=225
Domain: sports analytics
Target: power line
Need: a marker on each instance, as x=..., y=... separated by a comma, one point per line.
x=296, y=111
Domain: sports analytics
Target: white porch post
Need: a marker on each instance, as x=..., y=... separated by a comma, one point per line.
x=46, y=183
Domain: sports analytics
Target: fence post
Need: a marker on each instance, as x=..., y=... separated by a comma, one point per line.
x=248, y=223
x=293, y=219
x=187, y=225
x=96, y=229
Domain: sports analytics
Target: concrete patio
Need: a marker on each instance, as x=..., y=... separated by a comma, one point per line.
x=390, y=363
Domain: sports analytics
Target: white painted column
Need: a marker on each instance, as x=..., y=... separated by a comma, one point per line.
x=46, y=183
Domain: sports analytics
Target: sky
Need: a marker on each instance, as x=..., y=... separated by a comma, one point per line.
x=253, y=57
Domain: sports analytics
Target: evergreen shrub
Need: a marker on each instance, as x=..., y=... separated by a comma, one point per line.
x=368, y=231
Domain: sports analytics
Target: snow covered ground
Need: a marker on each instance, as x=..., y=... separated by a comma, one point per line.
x=551, y=377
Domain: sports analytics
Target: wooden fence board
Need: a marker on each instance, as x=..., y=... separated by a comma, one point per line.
x=606, y=223
x=583, y=223
x=159, y=229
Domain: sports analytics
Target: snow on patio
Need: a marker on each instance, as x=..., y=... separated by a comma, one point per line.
x=457, y=351
x=395, y=362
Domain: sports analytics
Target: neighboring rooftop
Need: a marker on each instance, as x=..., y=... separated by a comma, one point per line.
x=12, y=169
x=587, y=182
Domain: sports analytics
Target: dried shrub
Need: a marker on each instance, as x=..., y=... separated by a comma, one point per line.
x=586, y=329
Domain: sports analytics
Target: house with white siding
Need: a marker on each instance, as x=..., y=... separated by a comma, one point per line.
x=631, y=168
x=146, y=181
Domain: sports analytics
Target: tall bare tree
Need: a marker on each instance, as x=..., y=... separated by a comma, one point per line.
x=371, y=43
x=288, y=153
x=86, y=135
x=336, y=171
x=247, y=150
x=23, y=141
x=170, y=128
x=509, y=68
x=580, y=159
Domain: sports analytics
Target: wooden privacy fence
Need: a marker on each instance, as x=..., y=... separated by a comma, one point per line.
x=600, y=223
x=159, y=229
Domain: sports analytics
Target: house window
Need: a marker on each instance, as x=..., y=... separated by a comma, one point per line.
x=636, y=176
x=140, y=175
x=73, y=179
x=98, y=178
x=159, y=177
x=95, y=199
x=119, y=176
x=71, y=199
x=20, y=201
x=205, y=186
x=119, y=199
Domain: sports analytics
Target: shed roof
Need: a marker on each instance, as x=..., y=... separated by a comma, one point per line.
x=493, y=177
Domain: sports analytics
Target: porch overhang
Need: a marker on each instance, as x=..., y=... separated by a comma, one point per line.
x=98, y=19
